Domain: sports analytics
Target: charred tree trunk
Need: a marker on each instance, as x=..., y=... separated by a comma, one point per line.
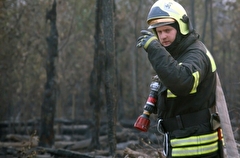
x=211, y=26
x=49, y=102
x=96, y=77
x=192, y=3
x=110, y=73
x=205, y=20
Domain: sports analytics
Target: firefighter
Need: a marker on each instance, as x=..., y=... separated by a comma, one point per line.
x=187, y=74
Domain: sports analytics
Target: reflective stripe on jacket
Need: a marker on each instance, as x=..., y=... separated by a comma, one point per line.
x=195, y=145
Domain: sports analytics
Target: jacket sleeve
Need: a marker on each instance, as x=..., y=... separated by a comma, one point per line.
x=183, y=76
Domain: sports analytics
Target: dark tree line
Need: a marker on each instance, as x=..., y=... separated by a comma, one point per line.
x=107, y=76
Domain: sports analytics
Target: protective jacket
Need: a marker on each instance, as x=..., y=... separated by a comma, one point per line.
x=188, y=77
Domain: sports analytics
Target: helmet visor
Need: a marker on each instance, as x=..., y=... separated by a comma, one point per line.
x=160, y=22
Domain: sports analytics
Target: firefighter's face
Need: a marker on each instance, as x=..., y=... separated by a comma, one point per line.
x=166, y=35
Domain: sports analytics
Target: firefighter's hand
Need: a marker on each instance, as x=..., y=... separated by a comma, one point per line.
x=145, y=39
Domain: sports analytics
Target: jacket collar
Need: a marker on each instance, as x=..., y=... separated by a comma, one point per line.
x=181, y=46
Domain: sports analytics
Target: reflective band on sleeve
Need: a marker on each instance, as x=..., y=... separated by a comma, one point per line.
x=196, y=82
x=170, y=94
x=196, y=76
x=194, y=150
x=194, y=89
x=194, y=140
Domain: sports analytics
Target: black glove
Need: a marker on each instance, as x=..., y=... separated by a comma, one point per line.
x=146, y=38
